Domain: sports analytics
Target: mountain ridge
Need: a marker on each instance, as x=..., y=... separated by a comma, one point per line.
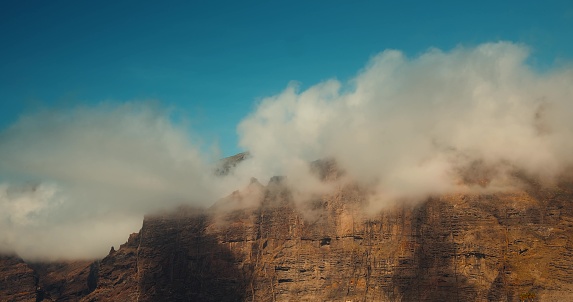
x=453, y=247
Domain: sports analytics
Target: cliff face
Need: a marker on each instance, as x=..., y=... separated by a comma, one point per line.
x=498, y=247
x=17, y=280
x=56, y=281
x=64, y=281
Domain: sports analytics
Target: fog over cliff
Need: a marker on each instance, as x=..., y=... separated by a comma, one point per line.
x=75, y=181
x=410, y=125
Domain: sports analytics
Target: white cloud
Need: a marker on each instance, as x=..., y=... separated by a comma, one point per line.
x=410, y=124
x=406, y=127
x=97, y=170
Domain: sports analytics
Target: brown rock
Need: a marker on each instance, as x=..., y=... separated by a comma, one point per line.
x=17, y=280
x=454, y=248
x=496, y=247
x=65, y=280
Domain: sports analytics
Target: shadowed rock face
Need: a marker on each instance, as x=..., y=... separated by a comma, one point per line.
x=55, y=281
x=65, y=281
x=17, y=280
x=498, y=247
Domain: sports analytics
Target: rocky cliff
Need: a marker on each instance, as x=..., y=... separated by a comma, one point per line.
x=17, y=280
x=513, y=246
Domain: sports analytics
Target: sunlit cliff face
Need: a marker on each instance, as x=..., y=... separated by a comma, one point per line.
x=75, y=181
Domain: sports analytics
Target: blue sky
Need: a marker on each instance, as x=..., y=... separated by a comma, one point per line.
x=406, y=127
x=213, y=60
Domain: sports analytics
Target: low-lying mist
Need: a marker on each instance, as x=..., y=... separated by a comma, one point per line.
x=75, y=181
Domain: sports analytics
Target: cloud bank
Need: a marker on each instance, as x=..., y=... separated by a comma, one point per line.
x=75, y=181
x=411, y=126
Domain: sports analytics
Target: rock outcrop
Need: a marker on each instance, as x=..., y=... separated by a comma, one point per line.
x=17, y=280
x=491, y=247
x=65, y=280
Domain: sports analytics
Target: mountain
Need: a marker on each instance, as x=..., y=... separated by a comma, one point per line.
x=258, y=244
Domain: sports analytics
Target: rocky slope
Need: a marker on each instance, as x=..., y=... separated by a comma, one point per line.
x=17, y=280
x=497, y=247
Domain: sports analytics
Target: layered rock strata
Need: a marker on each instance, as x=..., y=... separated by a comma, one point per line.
x=490, y=247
